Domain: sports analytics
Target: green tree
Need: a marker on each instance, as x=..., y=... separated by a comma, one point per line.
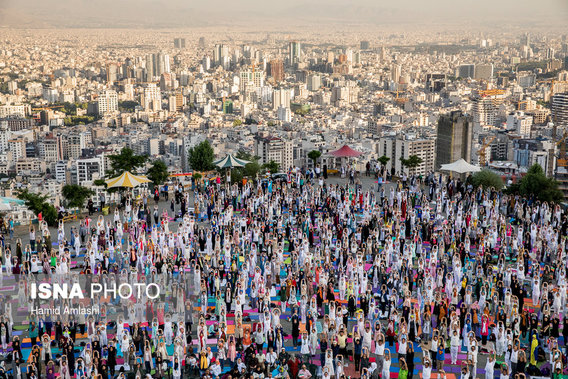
x=237, y=122
x=201, y=157
x=271, y=166
x=39, y=204
x=314, y=155
x=158, y=173
x=237, y=176
x=127, y=105
x=76, y=195
x=487, y=179
x=251, y=169
x=79, y=120
x=412, y=162
x=245, y=155
x=537, y=185
x=384, y=160
x=4, y=87
x=126, y=160
x=249, y=121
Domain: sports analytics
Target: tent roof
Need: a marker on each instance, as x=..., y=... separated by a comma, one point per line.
x=460, y=166
x=127, y=179
x=230, y=161
x=345, y=152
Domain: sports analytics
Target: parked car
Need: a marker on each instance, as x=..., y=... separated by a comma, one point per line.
x=280, y=177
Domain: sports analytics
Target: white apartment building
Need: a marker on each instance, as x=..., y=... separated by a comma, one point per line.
x=520, y=123
x=89, y=169
x=274, y=149
x=107, y=103
x=396, y=147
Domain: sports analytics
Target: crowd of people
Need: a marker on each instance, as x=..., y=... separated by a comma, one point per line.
x=299, y=279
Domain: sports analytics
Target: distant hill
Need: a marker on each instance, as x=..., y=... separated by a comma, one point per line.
x=196, y=13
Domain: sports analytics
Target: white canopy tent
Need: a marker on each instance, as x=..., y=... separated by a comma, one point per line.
x=460, y=166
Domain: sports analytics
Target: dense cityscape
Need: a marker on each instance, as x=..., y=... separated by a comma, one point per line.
x=315, y=200
x=66, y=108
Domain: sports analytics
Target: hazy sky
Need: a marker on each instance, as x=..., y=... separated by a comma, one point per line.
x=187, y=13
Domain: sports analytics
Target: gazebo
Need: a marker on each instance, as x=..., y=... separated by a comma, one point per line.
x=346, y=152
x=126, y=179
x=229, y=162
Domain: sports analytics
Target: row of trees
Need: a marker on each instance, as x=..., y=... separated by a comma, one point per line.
x=75, y=195
x=410, y=163
x=201, y=158
x=535, y=184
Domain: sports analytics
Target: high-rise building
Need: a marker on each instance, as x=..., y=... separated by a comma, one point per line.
x=454, y=138
x=167, y=81
x=294, y=52
x=314, y=82
x=277, y=70
x=89, y=169
x=18, y=148
x=172, y=103
x=15, y=110
x=284, y=114
x=550, y=53
x=281, y=97
x=436, y=82
x=179, y=43
x=107, y=102
x=202, y=42
x=62, y=169
x=526, y=79
x=111, y=72
x=364, y=45
x=560, y=110
x=156, y=65
x=274, y=149
x=483, y=71
x=486, y=106
x=152, y=98
x=396, y=71
x=466, y=71
x=252, y=77
x=50, y=149
x=526, y=39
x=206, y=63
x=520, y=122
x=180, y=101
x=404, y=146
x=220, y=54
x=228, y=107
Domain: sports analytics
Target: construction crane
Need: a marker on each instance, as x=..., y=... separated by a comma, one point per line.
x=520, y=103
x=482, y=150
x=552, y=82
x=45, y=108
x=491, y=92
x=399, y=100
